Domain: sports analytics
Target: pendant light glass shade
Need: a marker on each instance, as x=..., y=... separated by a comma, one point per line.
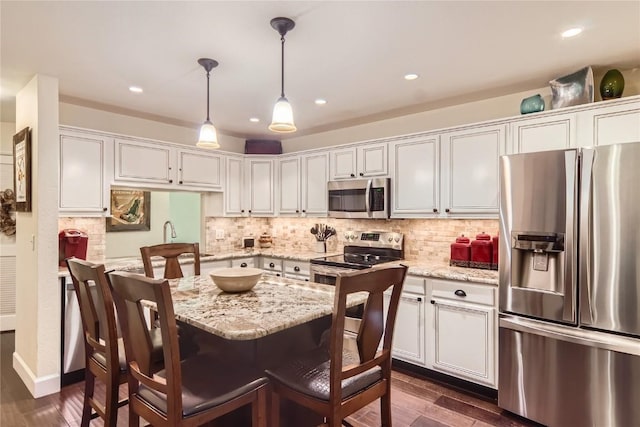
x=282, y=117
x=208, y=136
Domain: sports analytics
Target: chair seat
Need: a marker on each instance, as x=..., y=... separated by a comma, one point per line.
x=206, y=383
x=156, y=353
x=309, y=374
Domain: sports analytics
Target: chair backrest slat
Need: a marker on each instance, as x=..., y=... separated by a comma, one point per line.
x=170, y=252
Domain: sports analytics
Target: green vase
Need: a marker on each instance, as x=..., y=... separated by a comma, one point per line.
x=612, y=84
x=532, y=104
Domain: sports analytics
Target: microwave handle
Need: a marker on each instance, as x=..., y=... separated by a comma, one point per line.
x=367, y=195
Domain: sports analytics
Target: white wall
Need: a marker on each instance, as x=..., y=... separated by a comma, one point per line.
x=7, y=130
x=37, y=352
x=90, y=118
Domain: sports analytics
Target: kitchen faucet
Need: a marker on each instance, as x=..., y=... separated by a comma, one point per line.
x=164, y=231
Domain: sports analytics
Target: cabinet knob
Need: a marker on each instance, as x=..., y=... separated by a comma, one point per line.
x=433, y=302
x=278, y=274
x=460, y=293
x=241, y=210
x=361, y=174
x=447, y=210
x=179, y=182
x=170, y=181
x=104, y=209
x=419, y=299
x=435, y=210
x=353, y=175
x=244, y=264
x=296, y=268
x=271, y=265
x=304, y=210
x=297, y=211
x=249, y=210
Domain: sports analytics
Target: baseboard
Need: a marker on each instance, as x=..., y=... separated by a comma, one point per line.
x=7, y=322
x=38, y=387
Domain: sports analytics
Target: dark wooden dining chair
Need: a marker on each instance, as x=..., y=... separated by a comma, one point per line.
x=185, y=393
x=335, y=383
x=170, y=252
x=103, y=359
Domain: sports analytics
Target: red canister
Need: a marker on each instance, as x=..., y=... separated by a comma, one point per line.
x=460, y=252
x=494, y=249
x=481, y=251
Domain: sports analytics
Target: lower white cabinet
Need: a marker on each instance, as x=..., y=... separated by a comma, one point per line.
x=300, y=270
x=462, y=330
x=245, y=262
x=207, y=267
x=272, y=266
x=409, y=332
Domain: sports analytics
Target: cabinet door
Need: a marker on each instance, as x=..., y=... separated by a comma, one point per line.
x=415, y=177
x=614, y=124
x=557, y=132
x=207, y=267
x=343, y=163
x=199, y=169
x=470, y=170
x=234, y=187
x=261, y=186
x=408, y=335
x=84, y=188
x=289, y=186
x=315, y=174
x=140, y=161
x=372, y=160
x=245, y=262
x=463, y=341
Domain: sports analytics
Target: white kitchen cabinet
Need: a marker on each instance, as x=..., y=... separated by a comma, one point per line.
x=361, y=161
x=293, y=269
x=272, y=266
x=260, y=186
x=555, y=132
x=469, y=170
x=200, y=169
x=252, y=262
x=462, y=330
x=610, y=124
x=415, y=171
x=234, y=186
x=409, y=332
x=84, y=173
x=315, y=175
x=140, y=161
x=207, y=267
x=289, y=188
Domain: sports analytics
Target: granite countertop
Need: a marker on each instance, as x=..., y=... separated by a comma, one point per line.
x=416, y=267
x=273, y=305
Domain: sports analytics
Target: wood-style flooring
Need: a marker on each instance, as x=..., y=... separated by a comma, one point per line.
x=417, y=402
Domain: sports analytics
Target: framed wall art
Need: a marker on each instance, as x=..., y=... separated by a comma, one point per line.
x=130, y=210
x=22, y=169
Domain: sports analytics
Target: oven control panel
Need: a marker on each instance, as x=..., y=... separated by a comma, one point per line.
x=379, y=239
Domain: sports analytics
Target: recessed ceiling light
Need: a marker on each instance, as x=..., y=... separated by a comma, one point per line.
x=411, y=76
x=254, y=120
x=135, y=89
x=571, y=32
x=320, y=101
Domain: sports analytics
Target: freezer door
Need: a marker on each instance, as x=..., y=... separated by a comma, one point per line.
x=538, y=226
x=610, y=238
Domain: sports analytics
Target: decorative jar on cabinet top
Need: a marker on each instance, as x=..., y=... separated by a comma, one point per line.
x=460, y=252
x=611, y=85
x=481, y=251
x=532, y=104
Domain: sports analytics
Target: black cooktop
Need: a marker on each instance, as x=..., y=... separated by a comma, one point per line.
x=357, y=260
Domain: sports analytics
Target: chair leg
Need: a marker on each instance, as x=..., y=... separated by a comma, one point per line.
x=89, y=385
x=385, y=409
x=275, y=409
x=259, y=408
x=134, y=419
x=111, y=403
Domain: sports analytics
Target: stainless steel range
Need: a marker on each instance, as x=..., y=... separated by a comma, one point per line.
x=364, y=249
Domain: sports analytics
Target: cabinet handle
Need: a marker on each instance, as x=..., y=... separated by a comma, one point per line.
x=249, y=210
x=104, y=209
x=296, y=268
x=244, y=264
x=179, y=182
x=361, y=174
x=433, y=302
x=278, y=274
x=353, y=175
x=170, y=181
x=419, y=299
x=447, y=210
x=241, y=210
x=297, y=210
x=271, y=265
x=304, y=210
x=460, y=293
x=435, y=210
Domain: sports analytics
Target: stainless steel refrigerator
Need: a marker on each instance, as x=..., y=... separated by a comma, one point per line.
x=569, y=327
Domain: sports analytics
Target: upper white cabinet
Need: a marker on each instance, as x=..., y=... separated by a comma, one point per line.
x=362, y=161
x=234, y=186
x=84, y=173
x=289, y=179
x=145, y=162
x=415, y=170
x=260, y=186
x=554, y=132
x=615, y=124
x=315, y=174
x=199, y=169
x=469, y=170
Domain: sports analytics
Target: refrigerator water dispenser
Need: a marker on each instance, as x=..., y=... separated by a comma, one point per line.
x=537, y=261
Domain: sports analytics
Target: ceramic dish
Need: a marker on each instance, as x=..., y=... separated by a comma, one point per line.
x=236, y=279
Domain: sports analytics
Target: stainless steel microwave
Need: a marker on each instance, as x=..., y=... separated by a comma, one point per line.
x=359, y=198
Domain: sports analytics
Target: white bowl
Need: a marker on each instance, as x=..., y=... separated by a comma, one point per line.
x=236, y=279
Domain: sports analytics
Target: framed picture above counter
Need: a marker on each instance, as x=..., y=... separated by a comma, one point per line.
x=130, y=210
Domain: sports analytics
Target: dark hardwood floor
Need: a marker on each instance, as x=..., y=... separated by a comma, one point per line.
x=417, y=402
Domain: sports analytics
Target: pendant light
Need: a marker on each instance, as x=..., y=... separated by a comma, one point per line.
x=282, y=121
x=208, y=135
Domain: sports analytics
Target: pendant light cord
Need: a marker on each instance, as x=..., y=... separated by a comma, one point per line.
x=282, y=67
x=208, y=97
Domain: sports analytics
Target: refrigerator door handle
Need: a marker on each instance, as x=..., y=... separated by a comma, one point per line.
x=570, y=282
x=571, y=334
x=586, y=311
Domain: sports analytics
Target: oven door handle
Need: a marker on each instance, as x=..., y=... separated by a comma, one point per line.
x=367, y=195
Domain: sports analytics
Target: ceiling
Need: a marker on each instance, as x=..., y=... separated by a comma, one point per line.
x=353, y=54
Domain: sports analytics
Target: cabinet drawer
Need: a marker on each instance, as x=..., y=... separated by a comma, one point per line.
x=272, y=264
x=244, y=262
x=414, y=285
x=207, y=267
x=463, y=292
x=300, y=268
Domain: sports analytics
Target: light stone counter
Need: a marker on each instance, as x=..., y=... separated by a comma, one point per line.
x=273, y=305
x=445, y=271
